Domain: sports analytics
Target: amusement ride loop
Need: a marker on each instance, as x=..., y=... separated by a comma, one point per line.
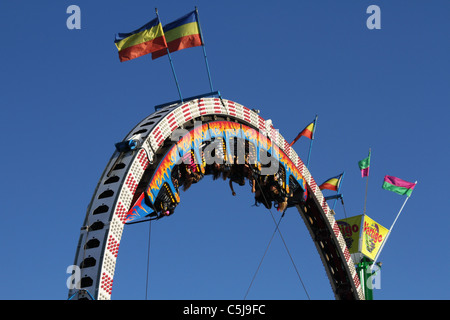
x=140, y=175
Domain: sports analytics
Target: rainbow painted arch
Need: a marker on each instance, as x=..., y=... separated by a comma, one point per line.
x=193, y=150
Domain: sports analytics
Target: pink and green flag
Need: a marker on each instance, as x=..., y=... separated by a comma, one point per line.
x=398, y=185
x=364, y=166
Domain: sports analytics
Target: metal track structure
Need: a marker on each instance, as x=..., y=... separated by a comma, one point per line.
x=102, y=230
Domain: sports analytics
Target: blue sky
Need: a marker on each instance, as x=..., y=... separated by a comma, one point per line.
x=66, y=99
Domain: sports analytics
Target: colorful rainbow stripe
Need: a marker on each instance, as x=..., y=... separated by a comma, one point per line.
x=147, y=39
x=181, y=34
x=191, y=141
x=307, y=132
x=332, y=183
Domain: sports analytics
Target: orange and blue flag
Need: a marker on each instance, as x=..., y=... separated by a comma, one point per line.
x=147, y=39
x=181, y=34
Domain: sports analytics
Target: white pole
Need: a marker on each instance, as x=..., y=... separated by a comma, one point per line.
x=389, y=232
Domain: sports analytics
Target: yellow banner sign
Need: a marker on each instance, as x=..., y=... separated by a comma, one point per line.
x=350, y=229
x=372, y=236
x=362, y=235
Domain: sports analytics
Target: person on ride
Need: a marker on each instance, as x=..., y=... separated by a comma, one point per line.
x=217, y=170
x=187, y=180
x=248, y=173
x=237, y=176
x=262, y=192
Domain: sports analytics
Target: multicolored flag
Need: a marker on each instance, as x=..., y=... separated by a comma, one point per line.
x=332, y=183
x=181, y=34
x=398, y=185
x=147, y=39
x=364, y=166
x=307, y=132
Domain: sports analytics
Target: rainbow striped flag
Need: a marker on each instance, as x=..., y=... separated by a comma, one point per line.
x=398, y=185
x=147, y=39
x=181, y=34
x=332, y=183
x=307, y=132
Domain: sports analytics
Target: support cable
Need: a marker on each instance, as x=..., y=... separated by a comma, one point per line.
x=285, y=245
x=148, y=250
x=148, y=257
x=342, y=201
x=290, y=256
x=260, y=263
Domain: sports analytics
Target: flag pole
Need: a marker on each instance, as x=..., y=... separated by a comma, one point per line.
x=204, y=50
x=339, y=188
x=171, y=64
x=367, y=185
x=311, y=142
x=390, y=229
